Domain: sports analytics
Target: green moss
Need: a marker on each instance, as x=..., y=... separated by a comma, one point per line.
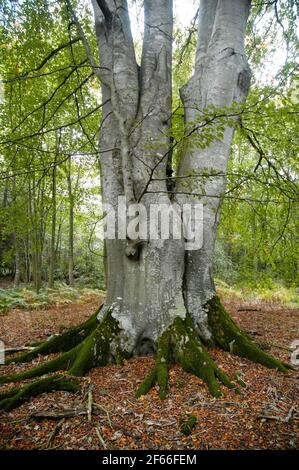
x=181, y=343
x=92, y=351
x=160, y=372
x=193, y=357
x=62, y=362
x=147, y=383
x=228, y=335
x=60, y=343
x=95, y=349
x=187, y=426
x=17, y=396
x=162, y=363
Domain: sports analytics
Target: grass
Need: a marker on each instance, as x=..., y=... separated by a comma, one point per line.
x=27, y=298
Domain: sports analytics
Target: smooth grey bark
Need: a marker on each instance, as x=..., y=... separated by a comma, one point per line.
x=221, y=77
x=163, y=281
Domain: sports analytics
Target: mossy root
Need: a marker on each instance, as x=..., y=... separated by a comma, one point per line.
x=159, y=372
x=191, y=354
x=180, y=343
x=62, y=362
x=94, y=350
x=231, y=338
x=60, y=343
x=17, y=396
x=149, y=382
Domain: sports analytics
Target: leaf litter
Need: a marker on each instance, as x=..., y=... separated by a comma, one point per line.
x=107, y=415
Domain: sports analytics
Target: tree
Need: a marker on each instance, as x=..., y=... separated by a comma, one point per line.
x=161, y=296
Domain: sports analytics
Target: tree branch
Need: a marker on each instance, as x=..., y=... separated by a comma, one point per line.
x=49, y=56
x=105, y=10
x=85, y=43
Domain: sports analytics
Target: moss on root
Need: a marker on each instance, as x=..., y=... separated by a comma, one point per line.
x=149, y=381
x=159, y=373
x=180, y=343
x=194, y=358
x=95, y=343
x=229, y=336
x=62, y=362
x=61, y=343
x=92, y=351
x=95, y=349
x=16, y=396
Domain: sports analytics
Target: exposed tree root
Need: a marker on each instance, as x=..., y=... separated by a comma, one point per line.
x=231, y=338
x=92, y=351
x=16, y=396
x=96, y=343
x=60, y=343
x=180, y=343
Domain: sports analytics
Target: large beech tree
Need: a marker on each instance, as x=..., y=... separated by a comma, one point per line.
x=161, y=296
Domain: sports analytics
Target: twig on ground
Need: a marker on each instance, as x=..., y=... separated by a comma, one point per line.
x=59, y=414
x=89, y=403
x=54, y=433
x=282, y=419
x=17, y=349
x=105, y=411
x=101, y=439
x=249, y=309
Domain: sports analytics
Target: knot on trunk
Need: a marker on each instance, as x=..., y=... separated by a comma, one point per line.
x=133, y=248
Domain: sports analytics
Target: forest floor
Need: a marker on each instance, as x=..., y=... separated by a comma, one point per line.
x=264, y=416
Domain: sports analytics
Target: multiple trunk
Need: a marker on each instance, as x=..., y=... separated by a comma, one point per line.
x=167, y=280
x=161, y=297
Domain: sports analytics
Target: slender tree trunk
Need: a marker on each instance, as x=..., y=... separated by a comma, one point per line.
x=52, y=255
x=71, y=225
x=34, y=235
x=16, y=242
x=17, y=261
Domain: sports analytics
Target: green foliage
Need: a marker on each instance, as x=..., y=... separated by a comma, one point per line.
x=11, y=299
x=26, y=298
x=48, y=115
x=263, y=289
x=187, y=425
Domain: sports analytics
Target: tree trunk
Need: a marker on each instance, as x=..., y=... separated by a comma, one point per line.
x=17, y=272
x=17, y=261
x=52, y=254
x=221, y=78
x=166, y=280
x=71, y=224
x=35, y=235
x=160, y=295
